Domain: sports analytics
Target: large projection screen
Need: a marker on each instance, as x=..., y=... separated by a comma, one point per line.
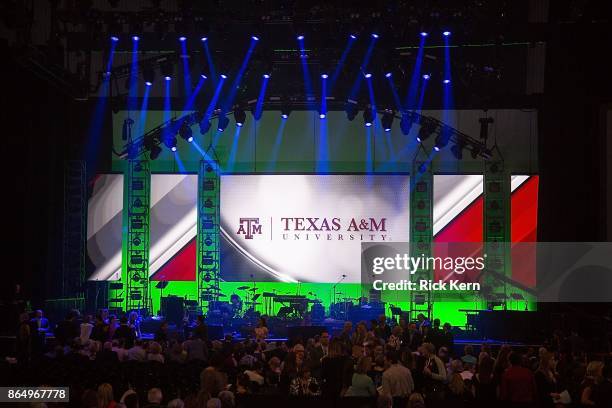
x=292, y=228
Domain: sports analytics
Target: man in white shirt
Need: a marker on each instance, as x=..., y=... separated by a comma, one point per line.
x=396, y=379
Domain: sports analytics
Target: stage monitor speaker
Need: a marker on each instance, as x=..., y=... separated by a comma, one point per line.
x=304, y=333
x=172, y=309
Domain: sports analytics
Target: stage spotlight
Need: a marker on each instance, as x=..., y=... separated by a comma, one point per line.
x=368, y=75
x=426, y=76
x=387, y=119
x=182, y=38
x=170, y=142
x=204, y=39
x=406, y=123
x=446, y=81
x=300, y=37
x=255, y=38
x=148, y=73
x=223, y=76
x=266, y=76
x=324, y=76
x=167, y=69
x=446, y=33
x=388, y=75
x=154, y=152
x=239, y=116
x=204, y=126
x=351, y=109
x=203, y=76
x=135, y=38
x=423, y=34
x=285, y=110
x=368, y=117
x=475, y=152
x=185, y=132
x=427, y=129
x=114, y=38
x=375, y=36
x=457, y=150
x=322, y=115
x=352, y=36
x=442, y=139
x=222, y=123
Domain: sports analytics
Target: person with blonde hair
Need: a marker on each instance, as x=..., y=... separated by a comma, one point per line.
x=105, y=396
x=592, y=379
x=361, y=383
x=155, y=352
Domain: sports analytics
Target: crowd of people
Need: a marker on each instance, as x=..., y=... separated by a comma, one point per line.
x=379, y=363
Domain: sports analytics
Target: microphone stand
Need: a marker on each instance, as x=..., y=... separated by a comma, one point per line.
x=333, y=300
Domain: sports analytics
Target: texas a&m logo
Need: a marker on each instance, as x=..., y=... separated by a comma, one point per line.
x=249, y=227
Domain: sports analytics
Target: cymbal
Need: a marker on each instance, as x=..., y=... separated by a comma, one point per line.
x=242, y=287
x=206, y=293
x=253, y=289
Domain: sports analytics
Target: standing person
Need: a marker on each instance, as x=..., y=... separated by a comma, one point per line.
x=68, y=329
x=448, y=339
x=39, y=327
x=317, y=352
x=161, y=335
x=434, y=334
x=126, y=333
x=105, y=396
x=382, y=330
x=395, y=340
x=304, y=384
x=518, y=387
x=412, y=337
x=422, y=322
x=100, y=330
x=485, y=388
x=546, y=381
x=113, y=325
x=345, y=337
x=434, y=374
x=361, y=383
x=396, y=379
x=261, y=331
x=134, y=323
x=591, y=384
x=359, y=337
x=336, y=370
x=200, y=330
x=86, y=329
x=24, y=338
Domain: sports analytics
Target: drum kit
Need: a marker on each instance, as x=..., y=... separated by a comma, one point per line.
x=234, y=308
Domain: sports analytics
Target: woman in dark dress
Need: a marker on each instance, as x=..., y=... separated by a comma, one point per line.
x=485, y=388
x=546, y=381
x=336, y=371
